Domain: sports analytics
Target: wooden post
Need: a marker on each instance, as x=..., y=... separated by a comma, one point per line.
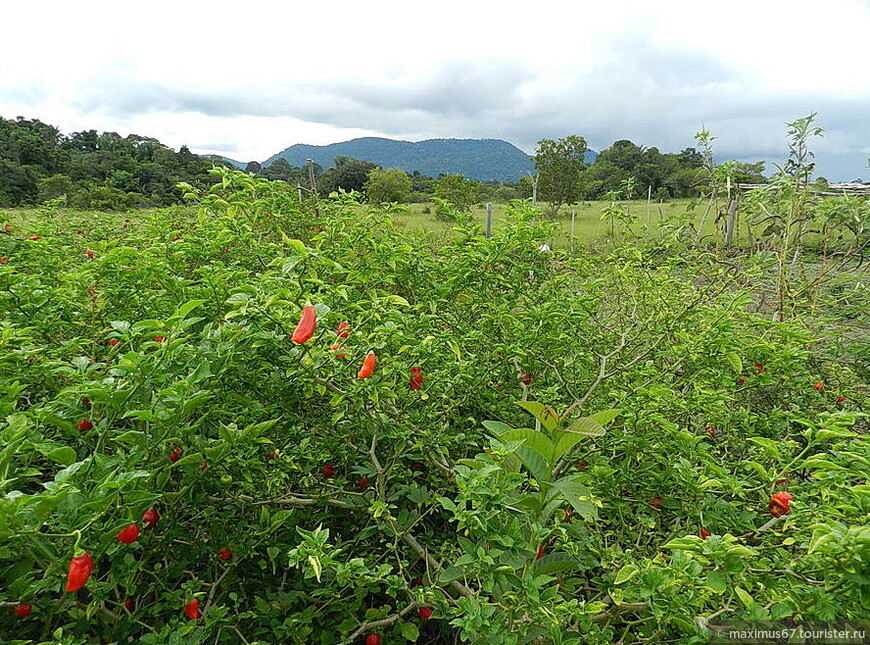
x=648, y=204
x=488, y=220
x=729, y=221
x=573, y=221
x=312, y=181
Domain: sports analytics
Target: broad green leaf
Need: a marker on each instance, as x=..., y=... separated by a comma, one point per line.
x=532, y=460
x=533, y=440
x=768, y=444
x=543, y=413
x=555, y=563
x=735, y=362
x=578, y=496
x=314, y=561
x=717, y=581
x=745, y=598
x=409, y=631
x=586, y=426
x=687, y=543
x=186, y=308
x=606, y=416
x=820, y=463
x=833, y=433
x=625, y=574
x=63, y=455
x=497, y=427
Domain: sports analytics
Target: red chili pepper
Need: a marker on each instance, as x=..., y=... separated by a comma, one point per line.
x=526, y=379
x=425, y=612
x=150, y=517
x=79, y=571
x=705, y=533
x=225, y=553
x=540, y=552
x=85, y=425
x=328, y=471
x=192, y=609
x=657, y=502
x=90, y=254
x=112, y=342
x=364, y=482
x=129, y=534
x=128, y=604
x=779, y=504
x=840, y=399
x=373, y=639
x=159, y=339
x=305, y=329
x=711, y=430
x=368, y=366
x=86, y=401
x=23, y=610
x=819, y=387
x=416, y=378
x=343, y=330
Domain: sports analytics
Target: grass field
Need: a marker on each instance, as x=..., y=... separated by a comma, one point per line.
x=588, y=226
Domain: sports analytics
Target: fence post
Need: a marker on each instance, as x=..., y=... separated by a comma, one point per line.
x=573, y=221
x=488, y=220
x=312, y=180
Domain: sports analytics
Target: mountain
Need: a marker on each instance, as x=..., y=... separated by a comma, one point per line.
x=479, y=159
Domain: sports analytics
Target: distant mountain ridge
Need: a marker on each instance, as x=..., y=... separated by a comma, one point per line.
x=479, y=159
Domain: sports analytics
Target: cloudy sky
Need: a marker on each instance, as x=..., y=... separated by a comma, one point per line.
x=248, y=79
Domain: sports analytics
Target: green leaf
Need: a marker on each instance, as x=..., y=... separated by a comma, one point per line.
x=532, y=439
x=586, y=426
x=497, y=427
x=409, y=631
x=187, y=307
x=555, y=563
x=833, y=433
x=745, y=598
x=449, y=575
x=821, y=463
x=687, y=543
x=735, y=362
x=625, y=574
x=63, y=455
x=606, y=416
x=768, y=444
x=543, y=413
x=717, y=581
x=578, y=496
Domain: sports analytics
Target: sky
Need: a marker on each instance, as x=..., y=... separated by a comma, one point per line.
x=248, y=80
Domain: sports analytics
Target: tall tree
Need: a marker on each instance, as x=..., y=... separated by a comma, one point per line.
x=391, y=185
x=560, y=164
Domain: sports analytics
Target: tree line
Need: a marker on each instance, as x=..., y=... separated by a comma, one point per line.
x=91, y=170
x=105, y=171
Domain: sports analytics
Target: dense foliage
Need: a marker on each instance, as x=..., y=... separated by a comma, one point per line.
x=476, y=441
x=90, y=170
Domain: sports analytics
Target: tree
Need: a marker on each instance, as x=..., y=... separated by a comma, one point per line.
x=391, y=185
x=278, y=170
x=560, y=164
x=348, y=174
x=253, y=168
x=459, y=191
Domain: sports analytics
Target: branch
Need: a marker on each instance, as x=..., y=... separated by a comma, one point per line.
x=383, y=622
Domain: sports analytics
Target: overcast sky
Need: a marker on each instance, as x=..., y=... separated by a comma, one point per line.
x=248, y=79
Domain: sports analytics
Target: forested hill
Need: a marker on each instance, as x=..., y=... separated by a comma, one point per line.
x=479, y=159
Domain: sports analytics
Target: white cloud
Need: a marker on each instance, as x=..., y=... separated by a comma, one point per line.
x=249, y=80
